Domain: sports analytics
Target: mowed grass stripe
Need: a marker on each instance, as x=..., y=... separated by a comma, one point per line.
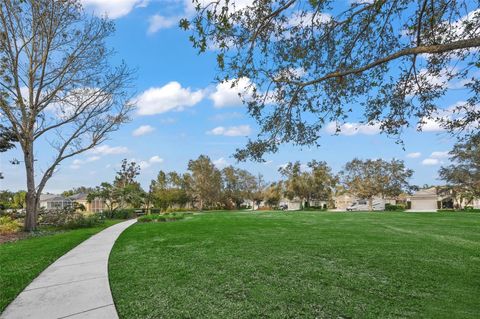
x=300, y=264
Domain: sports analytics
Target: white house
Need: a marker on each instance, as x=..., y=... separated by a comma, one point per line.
x=51, y=201
x=424, y=200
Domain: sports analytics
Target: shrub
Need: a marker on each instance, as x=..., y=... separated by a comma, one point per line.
x=394, y=208
x=126, y=213
x=160, y=218
x=9, y=225
x=175, y=210
x=69, y=218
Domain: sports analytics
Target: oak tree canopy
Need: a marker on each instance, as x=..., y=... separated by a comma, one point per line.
x=310, y=63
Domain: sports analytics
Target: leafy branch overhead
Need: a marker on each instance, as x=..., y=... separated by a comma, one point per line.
x=310, y=62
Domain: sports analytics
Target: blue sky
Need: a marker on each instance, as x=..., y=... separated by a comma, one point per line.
x=182, y=113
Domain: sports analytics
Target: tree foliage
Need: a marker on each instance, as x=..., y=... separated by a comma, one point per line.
x=369, y=178
x=206, y=182
x=169, y=189
x=315, y=182
x=305, y=64
x=237, y=185
x=463, y=175
x=57, y=85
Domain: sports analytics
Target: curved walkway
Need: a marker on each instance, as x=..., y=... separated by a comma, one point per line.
x=75, y=286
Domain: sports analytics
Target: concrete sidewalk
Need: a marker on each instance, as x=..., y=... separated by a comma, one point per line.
x=75, y=286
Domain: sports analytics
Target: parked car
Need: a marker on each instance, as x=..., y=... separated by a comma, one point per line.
x=362, y=205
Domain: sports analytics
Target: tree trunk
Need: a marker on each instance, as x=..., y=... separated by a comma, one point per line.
x=30, y=223
x=370, y=204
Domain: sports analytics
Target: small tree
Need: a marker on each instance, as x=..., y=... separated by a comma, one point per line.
x=57, y=84
x=127, y=189
x=107, y=193
x=257, y=186
x=273, y=194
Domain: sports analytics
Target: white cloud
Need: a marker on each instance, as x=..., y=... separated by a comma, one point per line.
x=439, y=154
x=158, y=22
x=349, y=129
x=109, y=150
x=77, y=163
x=171, y=97
x=220, y=163
x=152, y=160
x=414, y=155
x=430, y=162
x=454, y=112
x=241, y=130
x=113, y=8
x=156, y=159
x=225, y=95
x=430, y=125
x=301, y=17
x=239, y=5
x=142, y=130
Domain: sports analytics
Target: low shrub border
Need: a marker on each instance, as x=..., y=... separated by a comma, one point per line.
x=160, y=218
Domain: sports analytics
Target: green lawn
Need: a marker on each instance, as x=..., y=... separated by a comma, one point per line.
x=300, y=265
x=24, y=260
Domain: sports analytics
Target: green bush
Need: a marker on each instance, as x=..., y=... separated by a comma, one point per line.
x=175, y=210
x=70, y=219
x=9, y=225
x=394, y=208
x=127, y=213
x=316, y=208
x=160, y=218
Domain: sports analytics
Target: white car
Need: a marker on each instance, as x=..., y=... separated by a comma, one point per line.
x=362, y=205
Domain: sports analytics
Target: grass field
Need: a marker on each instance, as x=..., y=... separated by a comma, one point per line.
x=23, y=260
x=300, y=265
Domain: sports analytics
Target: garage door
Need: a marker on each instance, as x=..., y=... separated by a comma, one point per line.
x=424, y=204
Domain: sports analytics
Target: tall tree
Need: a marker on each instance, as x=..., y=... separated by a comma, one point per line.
x=323, y=182
x=369, y=178
x=300, y=64
x=257, y=188
x=169, y=189
x=127, y=189
x=206, y=181
x=463, y=175
x=57, y=84
x=236, y=184
x=297, y=183
x=273, y=194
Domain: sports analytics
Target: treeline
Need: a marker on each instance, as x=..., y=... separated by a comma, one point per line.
x=204, y=186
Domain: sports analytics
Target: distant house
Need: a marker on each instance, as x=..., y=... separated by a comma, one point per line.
x=424, y=200
x=292, y=204
x=51, y=201
x=344, y=200
x=95, y=206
